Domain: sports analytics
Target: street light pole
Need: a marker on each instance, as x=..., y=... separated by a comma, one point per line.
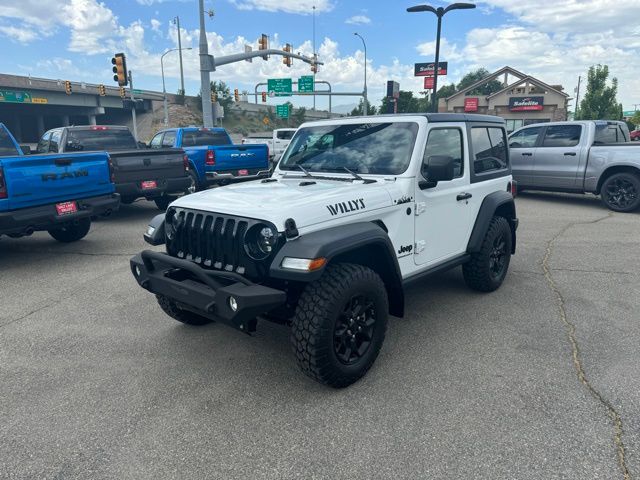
x=177, y=20
x=206, y=65
x=366, y=100
x=164, y=90
x=439, y=12
x=314, y=52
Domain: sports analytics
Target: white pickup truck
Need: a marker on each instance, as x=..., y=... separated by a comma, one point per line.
x=587, y=156
x=277, y=141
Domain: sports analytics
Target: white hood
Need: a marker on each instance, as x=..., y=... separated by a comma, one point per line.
x=290, y=198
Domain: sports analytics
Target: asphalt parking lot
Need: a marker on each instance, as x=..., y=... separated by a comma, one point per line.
x=537, y=380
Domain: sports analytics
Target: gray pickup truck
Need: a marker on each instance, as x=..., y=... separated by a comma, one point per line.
x=589, y=156
x=138, y=172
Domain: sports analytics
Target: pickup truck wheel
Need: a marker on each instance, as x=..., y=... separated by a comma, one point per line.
x=163, y=202
x=340, y=324
x=183, y=316
x=487, y=268
x=195, y=184
x=127, y=200
x=72, y=232
x=621, y=192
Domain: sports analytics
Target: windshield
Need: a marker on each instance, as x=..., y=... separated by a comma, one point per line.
x=374, y=148
x=6, y=145
x=201, y=138
x=102, y=139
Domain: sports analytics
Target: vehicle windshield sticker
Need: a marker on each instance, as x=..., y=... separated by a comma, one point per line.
x=346, y=207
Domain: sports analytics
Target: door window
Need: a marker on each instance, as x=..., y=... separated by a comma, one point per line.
x=445, y=142
x=169, y=139
x=609, y=134
x=55, y=141
x=526, y=138
x=43, y=144
x=156, y=142
x=490, y=149
x=562, y=136
x=285, y=134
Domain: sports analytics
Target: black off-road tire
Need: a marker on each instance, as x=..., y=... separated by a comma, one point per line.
x=72, y=232
x=163, y=202
x=183, y=316
x=478, y=272
x=127, y=200
x=320, y=312
x=621, y=192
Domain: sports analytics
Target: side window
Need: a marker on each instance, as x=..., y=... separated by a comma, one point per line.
x=445, y=142
x=562, y=136
x=526, y=138
x=169, y=139
x=43, y=144
x=55, y=141
x=156, y=142
x=285, y=135
x=490, y=149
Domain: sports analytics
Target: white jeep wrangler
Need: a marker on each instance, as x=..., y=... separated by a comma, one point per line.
x=355, y=210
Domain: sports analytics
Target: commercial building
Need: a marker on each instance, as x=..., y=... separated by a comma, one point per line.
x=523, y=100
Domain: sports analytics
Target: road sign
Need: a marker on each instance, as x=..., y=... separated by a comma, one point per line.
x=629, y=113
x=281, y=87
x=306, y=84
x=428, y=83
x=14, y=97
x=136, y=91
x=265, y=120
x=39, y=100
x=282, y=111
x=427, y=69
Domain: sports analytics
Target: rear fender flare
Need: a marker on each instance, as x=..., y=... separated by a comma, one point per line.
x=497, y=203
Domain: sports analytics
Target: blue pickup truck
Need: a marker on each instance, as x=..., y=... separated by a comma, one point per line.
x=57, y=193
x=213, y=158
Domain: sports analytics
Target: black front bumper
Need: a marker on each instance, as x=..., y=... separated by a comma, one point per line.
x=205, y=292
x=45, y=217
x=166, y=186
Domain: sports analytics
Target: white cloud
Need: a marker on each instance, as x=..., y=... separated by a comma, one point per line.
x=448, y=52
x=17, y=34
x=358, y=20
x=155, y=25
x=303, y=7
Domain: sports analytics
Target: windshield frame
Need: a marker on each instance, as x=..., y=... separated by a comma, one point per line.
x=409, y=124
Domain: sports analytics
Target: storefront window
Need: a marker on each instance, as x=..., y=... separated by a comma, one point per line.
x=513, y=124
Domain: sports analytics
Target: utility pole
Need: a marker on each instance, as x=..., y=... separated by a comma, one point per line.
x=314, y=52
x=206, y=65
x=177, y=20
x=575, y=113
x=366, y=100
x=133, y=108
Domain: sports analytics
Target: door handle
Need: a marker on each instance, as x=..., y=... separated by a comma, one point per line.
x=62, y=162
x=569, y=154
x=463, y=196
x=526, y=154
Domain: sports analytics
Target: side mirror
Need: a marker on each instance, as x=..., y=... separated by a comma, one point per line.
x=26, y=149
x=515, y=145
x=155, y=231
x=439, y=169
x=142, y=145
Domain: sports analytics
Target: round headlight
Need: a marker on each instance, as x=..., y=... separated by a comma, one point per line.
x=267, y=240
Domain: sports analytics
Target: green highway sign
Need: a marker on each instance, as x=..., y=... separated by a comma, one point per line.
x=14, y=97
x=136, y=92
x=282, y=111
x=279, y=87
x=629, y=113
x=305, y=84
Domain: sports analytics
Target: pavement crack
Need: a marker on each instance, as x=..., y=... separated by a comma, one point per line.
x=575, y=348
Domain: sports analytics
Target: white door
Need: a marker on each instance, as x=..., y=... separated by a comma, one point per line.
x=442, y=212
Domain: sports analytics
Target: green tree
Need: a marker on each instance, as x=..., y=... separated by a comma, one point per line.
x=407, y=103
x=223, y=95
x=635, y=119
x=599, y=103
x=447, y=90
x=359, y=110
x=300, y=115
x=491, y=86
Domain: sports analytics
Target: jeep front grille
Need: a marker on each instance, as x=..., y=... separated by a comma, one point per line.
x=211, y=240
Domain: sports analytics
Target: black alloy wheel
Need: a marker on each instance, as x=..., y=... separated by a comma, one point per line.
x=620, y=192
x=354, y=329
x=498, y=256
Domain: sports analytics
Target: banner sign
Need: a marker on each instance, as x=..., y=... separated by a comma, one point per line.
x=471, y=104
x=427, y=69
x=428, y=83
x=526, y=104
x=393, y=89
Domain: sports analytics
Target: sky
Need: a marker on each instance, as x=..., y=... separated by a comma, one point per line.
x=555, y=41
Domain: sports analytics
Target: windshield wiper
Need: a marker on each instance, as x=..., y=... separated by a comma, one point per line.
x=304, y=170
x=358, y=177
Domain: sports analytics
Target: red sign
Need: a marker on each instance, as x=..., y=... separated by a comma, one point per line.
x=471, y=104
x=428, y=83
x=65, y=208
x=428, y=69
x=149, y=184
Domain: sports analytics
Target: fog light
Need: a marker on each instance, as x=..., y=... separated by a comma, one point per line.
x=233, y=304
x=150, y=230
x=138, y=272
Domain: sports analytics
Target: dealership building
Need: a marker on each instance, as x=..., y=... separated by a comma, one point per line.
x=523, y=100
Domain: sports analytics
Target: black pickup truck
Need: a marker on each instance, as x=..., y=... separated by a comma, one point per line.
x=159, y=175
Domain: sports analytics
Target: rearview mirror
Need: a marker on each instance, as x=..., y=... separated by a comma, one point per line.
x=26, y=149
x=440, y=168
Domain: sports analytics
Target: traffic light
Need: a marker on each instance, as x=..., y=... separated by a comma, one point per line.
x=236, y=95
x=287, y=60
x=263, y=44
x=120, y=69
x=123, y=92
x=264, y=97
x=314, y=64
x=67, y=87
x=214, y=97
x=102, y=90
